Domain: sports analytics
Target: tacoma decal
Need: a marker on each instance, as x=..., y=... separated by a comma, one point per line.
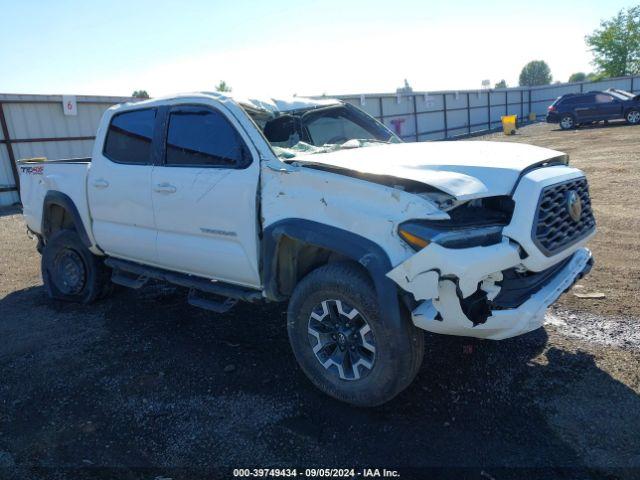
x=33, y=170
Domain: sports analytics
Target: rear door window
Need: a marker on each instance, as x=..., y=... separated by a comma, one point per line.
x=202, y=137
x=129, y=137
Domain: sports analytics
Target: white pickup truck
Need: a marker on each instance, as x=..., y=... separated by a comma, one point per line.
x=370, y=240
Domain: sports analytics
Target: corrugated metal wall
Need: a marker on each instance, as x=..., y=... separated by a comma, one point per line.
x=37, y=127
x=420, y=116
x=6, y=175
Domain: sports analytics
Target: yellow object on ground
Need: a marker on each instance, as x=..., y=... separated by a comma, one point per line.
x=509, y=124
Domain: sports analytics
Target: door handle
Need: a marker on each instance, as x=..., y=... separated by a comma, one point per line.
x=100, y=183
x=165, y=188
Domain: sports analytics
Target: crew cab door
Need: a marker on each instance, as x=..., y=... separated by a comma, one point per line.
x=119, y=187
x=204, y=196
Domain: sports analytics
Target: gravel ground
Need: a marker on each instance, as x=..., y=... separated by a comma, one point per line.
x=144, y=386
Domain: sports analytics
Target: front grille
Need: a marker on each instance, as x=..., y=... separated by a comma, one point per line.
x=553, y=228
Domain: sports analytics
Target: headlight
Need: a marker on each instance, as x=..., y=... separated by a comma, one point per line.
x=415, y=241
x=418, y=234
x=474, y=224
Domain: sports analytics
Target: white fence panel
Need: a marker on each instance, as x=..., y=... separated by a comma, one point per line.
x=481, y=112
x=36, y=126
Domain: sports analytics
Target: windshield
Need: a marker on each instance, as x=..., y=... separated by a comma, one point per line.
x=319, y=130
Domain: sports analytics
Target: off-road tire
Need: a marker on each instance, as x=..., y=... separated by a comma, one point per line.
x=90, y=278
x=399, y=350
x=567, y=121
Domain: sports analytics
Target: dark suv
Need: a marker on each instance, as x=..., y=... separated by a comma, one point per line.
x=575, y=109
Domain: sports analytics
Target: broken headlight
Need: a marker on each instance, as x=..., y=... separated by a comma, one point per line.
x=477, y=223
x=419, y=234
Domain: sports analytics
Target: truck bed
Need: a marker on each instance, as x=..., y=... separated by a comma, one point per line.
x=40, y=176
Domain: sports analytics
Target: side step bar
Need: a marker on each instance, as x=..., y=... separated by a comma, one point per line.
x=130, y=281
x=218, y=306
x=135, y=275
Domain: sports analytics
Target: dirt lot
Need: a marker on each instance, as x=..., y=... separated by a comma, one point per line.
x=144, y=386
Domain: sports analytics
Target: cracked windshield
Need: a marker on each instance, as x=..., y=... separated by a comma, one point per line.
x=320, y=130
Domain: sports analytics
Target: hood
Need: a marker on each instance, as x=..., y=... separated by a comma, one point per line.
x=463, y=169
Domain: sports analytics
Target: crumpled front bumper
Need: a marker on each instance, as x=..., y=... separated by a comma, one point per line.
x=456, y=274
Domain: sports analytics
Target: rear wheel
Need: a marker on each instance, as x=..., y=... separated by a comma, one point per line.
x=343, y=345
x=71, y=272
x=633, y=116
x=567, y=122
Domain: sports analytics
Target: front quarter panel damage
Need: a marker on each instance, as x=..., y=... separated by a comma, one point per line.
x=368, y=209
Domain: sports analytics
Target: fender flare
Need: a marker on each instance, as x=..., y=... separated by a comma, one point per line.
x=54, y=197
x=628, y=109
x=362, y=250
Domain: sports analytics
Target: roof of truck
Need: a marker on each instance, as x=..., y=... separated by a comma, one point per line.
x=278, y=105
x=273, y=106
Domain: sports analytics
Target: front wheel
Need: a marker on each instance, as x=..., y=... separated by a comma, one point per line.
x=567, y=122
x=633, y=116
x=70, y=272
x=341, y=342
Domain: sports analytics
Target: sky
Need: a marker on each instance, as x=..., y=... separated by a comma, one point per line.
x=282, y=47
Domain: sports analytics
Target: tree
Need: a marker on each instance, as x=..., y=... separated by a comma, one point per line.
x=140, y=94
x=223, y=87
x=616, y=44
x=578, y=77
x=595, y=77
x=501, y=84
x=536, y=72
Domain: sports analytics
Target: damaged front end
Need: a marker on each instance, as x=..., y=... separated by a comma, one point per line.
x=469, y=278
